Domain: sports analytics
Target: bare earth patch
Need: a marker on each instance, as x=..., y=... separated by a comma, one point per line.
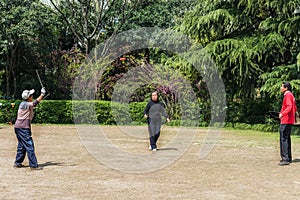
x=240, y=166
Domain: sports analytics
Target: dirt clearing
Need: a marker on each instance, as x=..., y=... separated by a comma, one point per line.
x=242, y=165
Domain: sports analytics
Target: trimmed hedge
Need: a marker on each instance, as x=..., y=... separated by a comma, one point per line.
x=108, y=113
x=66, y=111
x=9, y=110
x=91, y=112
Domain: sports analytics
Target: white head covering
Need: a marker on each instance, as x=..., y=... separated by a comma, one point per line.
x=26, y=94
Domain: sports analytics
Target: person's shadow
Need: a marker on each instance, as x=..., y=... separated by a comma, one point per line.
x=51, y=163
x=167, y=149
x=296, y=160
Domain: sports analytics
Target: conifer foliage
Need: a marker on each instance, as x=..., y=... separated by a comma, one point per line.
x=253, y=42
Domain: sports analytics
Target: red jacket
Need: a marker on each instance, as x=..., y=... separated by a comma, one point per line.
x=288, y=109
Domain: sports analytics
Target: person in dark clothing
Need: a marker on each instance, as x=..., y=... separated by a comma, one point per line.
x=153, y=112
x=287, y=119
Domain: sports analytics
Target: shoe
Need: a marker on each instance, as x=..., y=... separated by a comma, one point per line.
x=18, y=165
x=150, y=148
x=283, y=162
x=290, y=161
x=154, y=149
x=36, y=168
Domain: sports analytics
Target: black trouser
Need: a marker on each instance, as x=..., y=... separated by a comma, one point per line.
x=154, y=126
x=285, y=142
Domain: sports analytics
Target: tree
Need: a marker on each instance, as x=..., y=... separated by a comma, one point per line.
x=150, y=13
x=245, y=38
x=158, y=13
x=91, y=20
x=272, y=80
x=289, y=70
x=26, y=39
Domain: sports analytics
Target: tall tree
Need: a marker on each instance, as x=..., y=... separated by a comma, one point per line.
x=245, y=38
x=272, y=80
x=25, y=42
x=91, y=20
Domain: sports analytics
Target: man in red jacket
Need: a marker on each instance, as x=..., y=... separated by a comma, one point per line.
x=287, y=119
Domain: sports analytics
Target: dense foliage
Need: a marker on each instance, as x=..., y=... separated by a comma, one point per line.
x=246, y=39
x=27, y=39
x=254, y=44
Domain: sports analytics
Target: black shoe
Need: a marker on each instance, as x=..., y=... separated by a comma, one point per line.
x=290, y=161
x=36, y=168
x=18, y=165
x=283, y=162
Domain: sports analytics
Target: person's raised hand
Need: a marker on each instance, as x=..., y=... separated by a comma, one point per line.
x=43, y=91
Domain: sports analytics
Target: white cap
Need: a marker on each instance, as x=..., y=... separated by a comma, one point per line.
x=26, y=94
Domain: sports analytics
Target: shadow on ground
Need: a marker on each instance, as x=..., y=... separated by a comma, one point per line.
x=296, y=160
x=167, y=149
x=51, y=163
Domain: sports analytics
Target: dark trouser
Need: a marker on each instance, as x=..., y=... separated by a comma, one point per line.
x=154, y=126
x=25, y=144
x=285, y=142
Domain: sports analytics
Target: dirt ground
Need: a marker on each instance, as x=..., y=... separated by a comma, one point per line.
x=242, y=165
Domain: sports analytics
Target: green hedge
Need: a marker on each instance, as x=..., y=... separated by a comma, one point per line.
x=108, y=113
x=61, y=112
x=254, y=127
x=91, y=112
x=261, y=127
x=87, y=112
x=8, y=110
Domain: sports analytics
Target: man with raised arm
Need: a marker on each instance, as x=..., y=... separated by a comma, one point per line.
x=23, y=129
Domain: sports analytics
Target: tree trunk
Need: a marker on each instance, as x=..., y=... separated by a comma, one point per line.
x=7, y=78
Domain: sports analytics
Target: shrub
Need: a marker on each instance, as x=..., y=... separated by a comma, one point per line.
x=91, y=112
x=9, y=110
x=242, y=126
x=110, y=113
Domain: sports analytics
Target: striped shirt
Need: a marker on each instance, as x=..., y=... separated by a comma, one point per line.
x=25, y=114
